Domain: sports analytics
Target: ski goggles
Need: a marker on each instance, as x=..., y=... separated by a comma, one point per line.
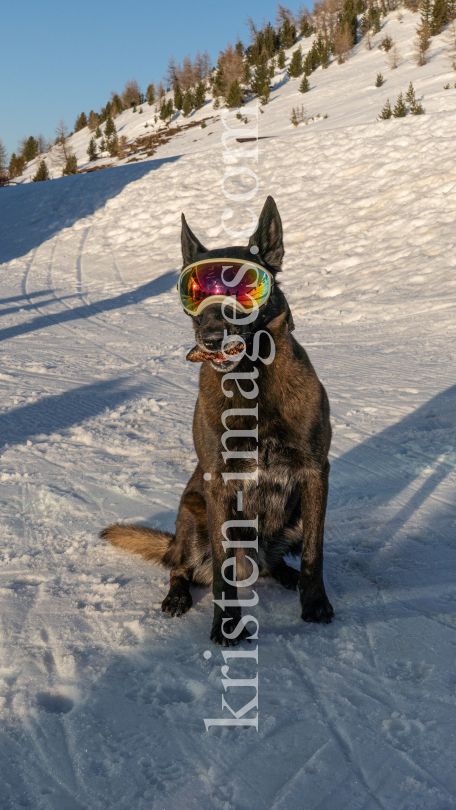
x=245, y=284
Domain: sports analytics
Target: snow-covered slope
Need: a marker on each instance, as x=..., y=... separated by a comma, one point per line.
x=103, y=697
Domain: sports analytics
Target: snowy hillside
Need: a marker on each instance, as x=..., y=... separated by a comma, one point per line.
x=345, y=93
x=102, y=696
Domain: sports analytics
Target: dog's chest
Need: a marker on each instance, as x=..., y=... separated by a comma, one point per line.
x=277, y=492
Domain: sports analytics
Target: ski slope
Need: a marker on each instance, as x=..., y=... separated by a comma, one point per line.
x=102, y=696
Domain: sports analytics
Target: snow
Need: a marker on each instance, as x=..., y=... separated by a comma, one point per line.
x=102, y=696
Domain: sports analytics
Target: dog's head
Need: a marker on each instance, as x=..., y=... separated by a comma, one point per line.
x=210, y=325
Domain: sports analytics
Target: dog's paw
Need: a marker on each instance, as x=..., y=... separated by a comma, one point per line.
x=317, y=609
x=218, y=637
x=286, y=576
x=177, y=603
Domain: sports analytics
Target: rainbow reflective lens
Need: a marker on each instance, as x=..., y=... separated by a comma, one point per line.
x=212, y=281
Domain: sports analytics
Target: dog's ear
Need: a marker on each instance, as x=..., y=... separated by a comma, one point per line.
x=191, y=246
x=268, y=237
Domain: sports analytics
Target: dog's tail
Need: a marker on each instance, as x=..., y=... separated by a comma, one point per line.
x=152, y=544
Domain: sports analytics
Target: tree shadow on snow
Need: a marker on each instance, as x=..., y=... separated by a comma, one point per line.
x=384, y=465
x=157, y=286
x=32, y=213
x=62, y=411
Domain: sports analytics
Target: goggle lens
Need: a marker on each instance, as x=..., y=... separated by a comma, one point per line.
x=249, y=284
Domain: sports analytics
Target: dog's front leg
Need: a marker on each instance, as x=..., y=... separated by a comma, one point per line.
x=316, y=606
x=227, y=627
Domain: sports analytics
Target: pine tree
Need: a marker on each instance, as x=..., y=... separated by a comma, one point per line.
x=265, y=93
x=287, y=34
x=200, y=96
x=416, y=109
x=260, y=77
x=30, y=149
x=349, y=19
x=16, y=165
x=421, y=43
x=281, y=59
x=234, y=97
x=103, y=145
x=112, y=145
x=42, y=173
x=93, y=121
x=304, y=86
x=246, y=73
x=98, y=132
x=166, y=110
x=426, y=12
x=92, y=149
x=410, y=94
x=178, y=98
x=187, y=104
x=150, y=94
x=110, y=128
x=439, y=16
x=117, y=106
x=379, y=80
x=295, y=67
x=3, y=160
x=400, y=108
x=325, y=57
x=71, y=166
x=386, y=112
x=81, y=122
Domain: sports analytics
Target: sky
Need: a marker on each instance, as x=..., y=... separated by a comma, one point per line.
x=59, y=59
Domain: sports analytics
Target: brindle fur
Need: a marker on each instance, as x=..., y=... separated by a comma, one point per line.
x=294, y=435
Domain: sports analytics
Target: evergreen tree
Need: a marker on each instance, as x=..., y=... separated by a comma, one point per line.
x=281, y=59
x=349, y=19
x=187, y=104
x=295, y=66
x=110, y=127
x=246, y=73
x=112, y=145
x=287, y=34
x=93, y=121
x=3, y=161
x=400, y=108
x=265, y=93
x=386, y=112
x=325, y=56
x=103, y=145
x=306, y=29
x=439, y=16
x=117, y=106
x=178, y=98
x=239, y=48
x=234, y=97
x=271, y=70
x=410, y=94
x=379, y=80
x=150, y=94
x=92, y=149
x=71, y=166
x=422, y=43
x=42, y=173
x=98, y=132
x=16, y=165
x=166, y=110
x=426, y=12
x=81, y=122
x=260, y=77
x=30, y=149
x=200, y=96
x=304, y=86
x=416, y=109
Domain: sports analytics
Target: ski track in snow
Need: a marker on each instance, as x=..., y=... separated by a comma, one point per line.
x=103, y=697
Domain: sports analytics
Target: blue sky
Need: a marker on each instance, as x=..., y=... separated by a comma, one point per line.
x=58, y=59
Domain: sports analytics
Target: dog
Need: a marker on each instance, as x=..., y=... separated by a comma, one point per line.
x=287, y=444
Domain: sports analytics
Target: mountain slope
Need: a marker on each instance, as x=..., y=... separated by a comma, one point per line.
x=103, y=697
